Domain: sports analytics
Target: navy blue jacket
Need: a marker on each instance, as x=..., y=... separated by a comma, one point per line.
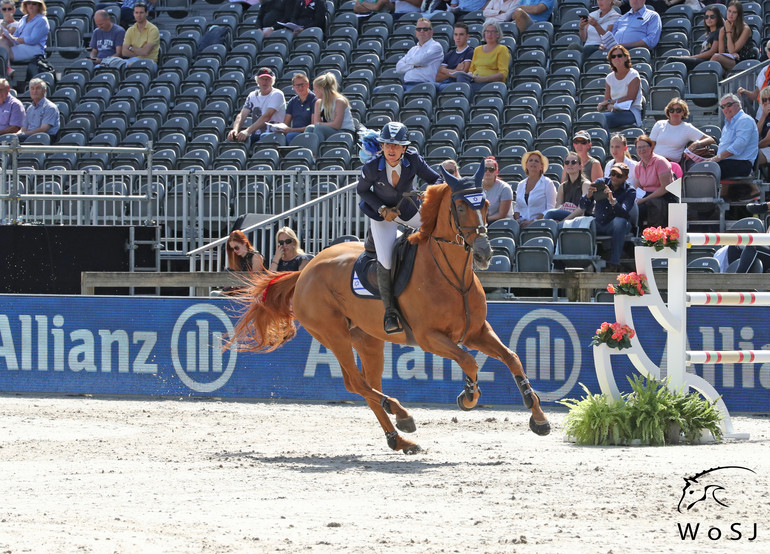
x=375, y=190
x=604, y=212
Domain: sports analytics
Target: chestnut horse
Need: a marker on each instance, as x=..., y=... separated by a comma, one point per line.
x=443, y=303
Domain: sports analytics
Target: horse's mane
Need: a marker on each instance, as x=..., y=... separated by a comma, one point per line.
x=429, y=212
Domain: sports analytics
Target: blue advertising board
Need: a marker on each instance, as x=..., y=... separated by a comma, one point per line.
x=172, y=346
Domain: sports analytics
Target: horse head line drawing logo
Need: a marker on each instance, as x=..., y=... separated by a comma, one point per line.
x=703, y=485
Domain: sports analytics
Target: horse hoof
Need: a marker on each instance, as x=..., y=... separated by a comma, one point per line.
x=406, y=425
x=466, y=404
x=411, y=450
x=541, y=429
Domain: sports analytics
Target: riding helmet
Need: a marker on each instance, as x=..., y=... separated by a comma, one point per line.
x=395, y=133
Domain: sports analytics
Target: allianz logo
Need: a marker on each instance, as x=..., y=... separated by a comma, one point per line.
x=43, y=343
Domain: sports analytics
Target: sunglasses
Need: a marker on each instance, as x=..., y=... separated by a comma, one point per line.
x=571, y=162
x=766, y=99
x=300, y=85
x=490, y=168
x=710, y=16
x=423, y=29
x=676, y=110
x=726, y=105
x=615, y=174
x=287, y=241
x=580, y=141
x=8, y=9
x=614, y=56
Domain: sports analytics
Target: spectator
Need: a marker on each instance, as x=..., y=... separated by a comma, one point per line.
x=421, y=62
x=595, y=24
x=461, y=8
x=457, y=60
x=265, y=105
x=332, y=110
x=622, y=92
x=536, y=194
x=31, y=34
x=107, y=40
x=573, y=187
x=640, y=26
x=529, y=11
x=671, y=136
x=738, y=146
x=498, y=193
x=241, y=255
x=8, y=23
x=42, y=115
x=763, y=129
x=142, y=40
x=289, y=255
x=299, y=110
x=364, y=7
x=490, y=61
x=763, y=80
x=306, y=14
x=734, y=38
x=592, y=168
x=653, y=174
x=709, y=44
x=450, y=166
x=269, y=14
x=620, y=154
x=127, y=17
x=400, y=7
x=500, y=10
x=383, y=181
x=612, y=201
x=11, y=110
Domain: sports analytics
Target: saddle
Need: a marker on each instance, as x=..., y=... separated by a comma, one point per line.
x=363, y=280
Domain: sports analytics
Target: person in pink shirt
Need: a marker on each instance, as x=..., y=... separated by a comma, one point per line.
x=653, y=174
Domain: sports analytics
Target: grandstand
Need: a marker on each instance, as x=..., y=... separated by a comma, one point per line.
x=200, y=184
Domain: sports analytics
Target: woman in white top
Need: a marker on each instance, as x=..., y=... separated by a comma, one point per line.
x=597, y=23
x=498, y=193
x=500, y=10
x=620, y=154
x=622, y=92
x=671, y=136
x=332, y=110
x=536, y=194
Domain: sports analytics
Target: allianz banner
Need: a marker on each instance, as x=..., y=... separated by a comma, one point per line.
x=172, y=346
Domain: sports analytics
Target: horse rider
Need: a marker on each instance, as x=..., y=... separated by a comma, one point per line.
x=384, y=180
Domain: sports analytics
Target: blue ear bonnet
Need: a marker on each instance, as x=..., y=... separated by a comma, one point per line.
x=467, y=188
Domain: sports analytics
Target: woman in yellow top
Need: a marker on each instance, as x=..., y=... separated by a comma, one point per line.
x=491, y=60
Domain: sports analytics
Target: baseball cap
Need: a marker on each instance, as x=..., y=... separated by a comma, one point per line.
x=265, y=72
x=623, y=168
x=582, y=135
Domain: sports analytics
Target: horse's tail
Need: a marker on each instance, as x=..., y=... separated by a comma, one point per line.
x=268, y=321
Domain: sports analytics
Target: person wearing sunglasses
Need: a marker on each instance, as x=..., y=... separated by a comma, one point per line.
x=653, y=174
x=709, y=42
x=31, y=34
x=289, y=255
x=420, y=64
x=671, y=136
x=622, y=92
x=612, y=201
x=739, y=143
x=536, y=194
x=573, y=187
x=241, y=255
x=592, y=168
x=763, y=80
x=498, y=192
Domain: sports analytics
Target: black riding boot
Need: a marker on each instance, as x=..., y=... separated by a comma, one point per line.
x=392, y=323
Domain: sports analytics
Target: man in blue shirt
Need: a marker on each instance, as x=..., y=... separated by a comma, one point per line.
x=455, y=60
x=639, y=27
x=739, y=144
x=42, y=115
x=612, y=204
x=532, y=10
x=299, y=110
x=11, y=110
x=107, y=40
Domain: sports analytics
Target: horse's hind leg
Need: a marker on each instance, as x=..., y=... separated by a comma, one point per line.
x=488, y=342
x=370, y=350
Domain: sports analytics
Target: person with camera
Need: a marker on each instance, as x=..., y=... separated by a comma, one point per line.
x=612, y=200
x=595, y=24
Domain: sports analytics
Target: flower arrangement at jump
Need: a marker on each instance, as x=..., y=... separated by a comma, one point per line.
x=661, y=237
x=650, y=414
x=614, y=335
x=631, y=284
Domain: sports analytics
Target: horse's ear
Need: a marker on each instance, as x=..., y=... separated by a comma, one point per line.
x=479, y=176
x=449, y=179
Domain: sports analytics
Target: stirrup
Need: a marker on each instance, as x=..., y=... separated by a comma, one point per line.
x=392, y=323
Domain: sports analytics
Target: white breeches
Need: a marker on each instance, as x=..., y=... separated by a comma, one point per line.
x=385, y=234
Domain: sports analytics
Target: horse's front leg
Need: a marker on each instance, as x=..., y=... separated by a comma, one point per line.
x=440, y=344
x=487, y=341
